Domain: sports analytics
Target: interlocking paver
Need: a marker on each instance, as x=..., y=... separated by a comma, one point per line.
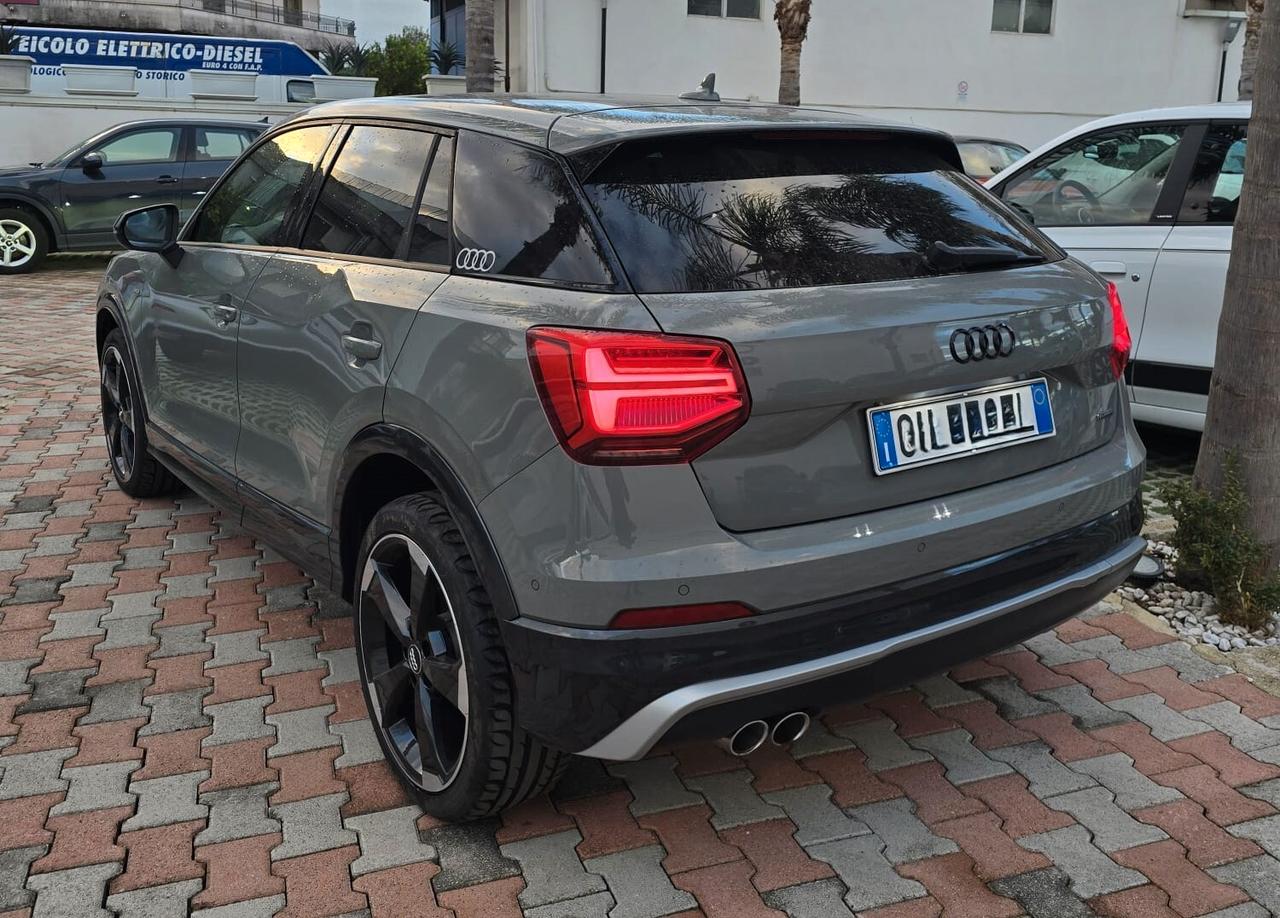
x=1092, y=873
x=816, y=818
x=869, y=878
x=733, y=799
x=237, y=812
x=176, y=711
x=905, y=837
x=654, y=785
x=77, y=892
x=816, y=899
x=389, y=838
x=1131, y=787
x=1044, y=893
x=552, y=870
x=964, y=761
x=1258, y=876
x=31, y=773
x=168, y=900
x=1245, y=732
x=234, y=721
x=880, y=741
x=311, y=825
x=1113, y=829
x=639, y=885
x=1166, y=724
x=1046, y=776
x=96, y=786
x=14, y=866
x=164, y=800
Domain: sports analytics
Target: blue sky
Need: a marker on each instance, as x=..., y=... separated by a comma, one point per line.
x=376, y=19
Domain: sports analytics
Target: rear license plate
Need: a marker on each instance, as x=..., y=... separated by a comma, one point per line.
x=931, y=430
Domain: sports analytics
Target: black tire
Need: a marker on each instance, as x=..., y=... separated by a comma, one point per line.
x=21, y=229
x=499, y=763
x=138, y=473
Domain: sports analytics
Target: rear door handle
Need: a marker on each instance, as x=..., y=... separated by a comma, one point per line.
x=1109, y=267
x=225, y=314
x=361, y=348
x=167, y=180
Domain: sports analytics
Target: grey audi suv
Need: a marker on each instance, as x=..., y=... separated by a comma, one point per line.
x=625, y=422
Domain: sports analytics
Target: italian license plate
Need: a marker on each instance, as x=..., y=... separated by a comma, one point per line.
x=927, y=431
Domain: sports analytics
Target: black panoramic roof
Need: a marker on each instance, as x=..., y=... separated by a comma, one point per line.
x=569, y=124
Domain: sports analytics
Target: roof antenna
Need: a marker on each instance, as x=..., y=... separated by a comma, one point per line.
x=704, y=93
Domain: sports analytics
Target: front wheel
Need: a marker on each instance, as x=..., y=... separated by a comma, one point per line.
x=23, y=241
x=138, y=473
x=434, y=671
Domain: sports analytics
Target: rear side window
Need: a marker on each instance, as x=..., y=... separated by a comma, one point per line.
x=220, y=143
x=517, y=214
x=430, y=242
x=1213, y=193
x=250, y=206
x=367, y=200
x=760, y=211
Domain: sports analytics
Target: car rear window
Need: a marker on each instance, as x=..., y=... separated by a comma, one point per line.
x=760, y=211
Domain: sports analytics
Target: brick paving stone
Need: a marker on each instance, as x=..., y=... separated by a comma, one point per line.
x=166, y=900
x=1166, y=724
x=775, y=769
x=72, y=893
x=1265, y=790
x=1233, y=766
x=595, y=905
x=1022, y=812
x=1257, y=876
x=994, y=853
x=950, y=879
x=494, y=899
x=1177, y=693
x=690, y=841
x=239, y=764
x=1086, y=710
x=94, y=787
x=733, y=800
x=654, y=785
x=404, y=891
x=159, y=855
x=1207, y=843
x=607, y=825
x=905, y=837
x=311, y=825
x=23, y=819
x=1253, y=701
x=816, y=899
x=44, y=730
x=883, y=746
x=988, y=728
x=935, y=797
x=551, y=869
x=1150, y=756
x=1046, y=776
x=236, y=682
x=869, y=878
x=1139, y=902
x=1012, y=700
x=1101, y=681
x=389, y=838
x=1191, y=890
x=964, y=761
x=1222, y=803
x=109, y=741
x=1132, y=789
x=359, y=745
x=1246, y=734
x=237, y=812
x=818, y=740
x=1113, y=829
x=83, y=838
x=31, y=773
x=1054, y=650
x=373, y=787
x=319, y=884
x=469, y=855
x=1264, y=831
x=168, y=799
x=238, y=871
x=307, y=774
x=638, y=883
x=15, y=864
x=176, y=711
x=725, y=891
x=1092, y=873
x=778, y=860
x=847, y=773
x=1068, y=742
x=911, y=715
x=816, y=817
x=942, y=691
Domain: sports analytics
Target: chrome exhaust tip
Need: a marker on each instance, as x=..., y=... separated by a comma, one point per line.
x=748, y=738
x=789, y=728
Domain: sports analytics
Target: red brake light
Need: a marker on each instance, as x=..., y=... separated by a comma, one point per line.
x=668, y=616
x=636, y=398
x=1121, y=340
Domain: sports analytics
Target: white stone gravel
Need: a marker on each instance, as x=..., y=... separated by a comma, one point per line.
x=1191, y=613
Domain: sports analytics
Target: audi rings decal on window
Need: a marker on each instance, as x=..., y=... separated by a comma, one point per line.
x=986, y=342
x=478, y=260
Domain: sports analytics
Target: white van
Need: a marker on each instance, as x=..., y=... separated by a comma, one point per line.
x=1148, y=199
x=164, y=61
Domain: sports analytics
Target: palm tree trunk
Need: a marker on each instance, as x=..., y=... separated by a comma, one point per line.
x=789, y=81
x=1252, y=33
x=480, y=26
x=1244, y=397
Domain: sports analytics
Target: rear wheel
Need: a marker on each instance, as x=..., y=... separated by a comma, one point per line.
x=137, y=472
x=434, y=671
x=23, y=241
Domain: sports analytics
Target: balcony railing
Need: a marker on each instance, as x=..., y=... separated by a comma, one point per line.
x=269, y=12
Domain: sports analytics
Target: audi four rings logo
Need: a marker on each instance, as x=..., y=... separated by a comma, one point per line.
x=480, y=260
x=985, y=342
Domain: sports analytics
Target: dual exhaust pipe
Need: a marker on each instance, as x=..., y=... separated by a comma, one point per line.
x=781, y=731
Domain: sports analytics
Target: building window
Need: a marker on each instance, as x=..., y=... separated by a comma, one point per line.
x=725, y=9
x=1031, y=17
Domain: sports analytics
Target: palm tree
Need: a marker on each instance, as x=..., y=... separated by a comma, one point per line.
x=792, y=17
x=1252, y=34
x=1244, y=395
x=480, y=26
x=334, y=57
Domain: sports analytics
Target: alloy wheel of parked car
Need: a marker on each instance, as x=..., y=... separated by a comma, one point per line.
x=435, y=674
x=22, y=241
x=138, y=473
x=414, y=662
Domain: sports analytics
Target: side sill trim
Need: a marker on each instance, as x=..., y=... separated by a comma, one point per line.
x=634, y=737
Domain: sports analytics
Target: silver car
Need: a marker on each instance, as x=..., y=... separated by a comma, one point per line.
x=625, y=422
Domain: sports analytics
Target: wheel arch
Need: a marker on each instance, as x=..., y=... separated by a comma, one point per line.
x=384, y=462
x=50, y=225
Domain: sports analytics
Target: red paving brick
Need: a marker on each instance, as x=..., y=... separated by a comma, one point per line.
x=994, y=854
x=1177, y=694
x=950, y=879
x=927, y=907
x=320, y=884
x=496, y=899
x=44, y=730
x=988, y=728
x=110, y=741
x=935, y=797
x=1150, y=756
x=1103, y=683
x=1033, y=675
x=910, y=714
x=529, y=819
x=1023, y=814
x=402, y=892
x=1134, y=634
x=239, y=764
x=1233, y=766
x=238, y=681
x=853, y=783
x=179, y=674
x=607, y=825
x=295, y=691
x=725, y=891
x=690, y=841
x=694, y=759
x=23, y=820
x=1140, y=902
x=1191, y=890
x=1068, y=742
x=159, y=855
x=173, y=753
x=373, y=787
x=306, y=774
x=776, y=770
x=1253, y=701
x=1207, y=843
x=238, y=870
x=777, y=857
x=80, y=839
x=1222, y=803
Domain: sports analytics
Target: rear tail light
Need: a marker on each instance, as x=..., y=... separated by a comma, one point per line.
x=1121, y=340
x=669, y=616
x=635, y=398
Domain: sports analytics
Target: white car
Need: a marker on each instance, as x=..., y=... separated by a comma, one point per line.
x=1147, y=199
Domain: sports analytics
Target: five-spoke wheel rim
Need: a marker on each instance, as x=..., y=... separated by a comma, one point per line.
x=118, y=417
x=17, y=243
x=414, y=666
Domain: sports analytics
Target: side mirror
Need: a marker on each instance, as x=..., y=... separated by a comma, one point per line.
x=151, y=229
x=91, y=162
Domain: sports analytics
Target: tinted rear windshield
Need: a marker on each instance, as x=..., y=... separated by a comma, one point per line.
x=747, y=212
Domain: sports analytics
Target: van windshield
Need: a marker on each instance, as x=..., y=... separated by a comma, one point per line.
x=759, y=211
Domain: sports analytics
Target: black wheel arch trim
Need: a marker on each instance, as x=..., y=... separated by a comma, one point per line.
x=383, y=439
x=58, y=234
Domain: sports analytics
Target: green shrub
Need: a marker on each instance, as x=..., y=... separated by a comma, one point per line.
x=1217, y=551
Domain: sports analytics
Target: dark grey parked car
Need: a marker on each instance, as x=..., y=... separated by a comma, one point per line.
x=71, y=203
x=620, y=423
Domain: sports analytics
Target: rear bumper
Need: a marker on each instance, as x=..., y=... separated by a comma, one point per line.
x=616, y=694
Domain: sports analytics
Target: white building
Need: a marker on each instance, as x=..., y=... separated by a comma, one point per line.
x=1022, y=70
